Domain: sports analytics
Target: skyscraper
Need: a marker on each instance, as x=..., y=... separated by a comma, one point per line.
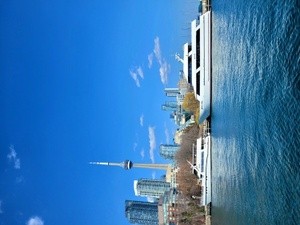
x=151, y=187
x=172, y=92
x=168, y=151
x=144, y=213
x=170, y=106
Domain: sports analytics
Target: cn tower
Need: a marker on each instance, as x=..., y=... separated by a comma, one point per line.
x=127, y=164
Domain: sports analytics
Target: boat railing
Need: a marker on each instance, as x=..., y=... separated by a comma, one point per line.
x=206, y=129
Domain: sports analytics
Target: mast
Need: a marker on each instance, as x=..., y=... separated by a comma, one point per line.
x=106, y=163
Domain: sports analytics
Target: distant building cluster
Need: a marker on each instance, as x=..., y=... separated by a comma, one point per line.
x=179, y=115
x=162, y=209
x=162, y=192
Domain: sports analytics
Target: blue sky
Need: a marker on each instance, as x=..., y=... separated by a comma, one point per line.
x=83, y=81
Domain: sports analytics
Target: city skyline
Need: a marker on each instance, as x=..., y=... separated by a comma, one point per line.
x=83, y=81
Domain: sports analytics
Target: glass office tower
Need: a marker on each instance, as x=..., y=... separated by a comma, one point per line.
x=144, y=213
x=168, y=151
x=151, y=187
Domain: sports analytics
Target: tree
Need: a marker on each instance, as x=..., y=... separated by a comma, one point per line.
x=188, y=183
x=191, y=104
x=189, y=210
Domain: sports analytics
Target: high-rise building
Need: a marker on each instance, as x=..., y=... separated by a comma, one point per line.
x=172, y=92
x=168, y=151
x=151, y=187
x=167, y=208
x=170, y=106
x=144, y=213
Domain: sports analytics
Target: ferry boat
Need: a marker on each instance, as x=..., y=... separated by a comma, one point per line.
x=203, y=165
x=202, y=70
x=197, y=63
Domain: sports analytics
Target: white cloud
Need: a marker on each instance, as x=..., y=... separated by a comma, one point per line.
x=19, y=179
x=142, y=120
x=1, y=211
x=140, y=72
x=164, y=67
x=12, y=156
x=142, y=153
x=164, y=71
x=17, y=164
x=156, y=50
x=136, y=75
x=135, y=78
x=150, y=60
x=35, y=221
x=152, y=142
x=134, y=146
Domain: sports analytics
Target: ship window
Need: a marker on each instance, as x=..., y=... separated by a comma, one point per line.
x=190, y=70
x=198, y=48
x=202, y=162
x=198, y=83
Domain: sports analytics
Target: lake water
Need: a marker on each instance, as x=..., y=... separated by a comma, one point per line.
x=256, y=112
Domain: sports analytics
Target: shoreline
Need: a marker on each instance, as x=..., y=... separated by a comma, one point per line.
x=206, y=6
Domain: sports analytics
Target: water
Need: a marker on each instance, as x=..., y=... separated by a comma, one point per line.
x=256, y=112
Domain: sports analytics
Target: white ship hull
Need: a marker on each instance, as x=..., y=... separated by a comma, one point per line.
x=203, y=164
x=204, y=95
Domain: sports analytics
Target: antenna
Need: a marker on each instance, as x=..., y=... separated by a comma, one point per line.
x=178, y=58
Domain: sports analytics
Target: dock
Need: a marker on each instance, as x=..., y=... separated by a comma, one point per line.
x=208, y=214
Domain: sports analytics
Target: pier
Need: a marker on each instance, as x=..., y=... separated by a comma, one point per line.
x=208, y=214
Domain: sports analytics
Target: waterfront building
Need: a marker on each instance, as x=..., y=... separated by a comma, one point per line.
x=168, y=151
x=180, y=116
x=178, y=137
x=179, y=92
x=139, y=212
x=167, y=208
x=171, y=176
x=184, y=87
x=151, y=187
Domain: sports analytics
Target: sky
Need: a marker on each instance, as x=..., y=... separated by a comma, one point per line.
x=83, y=81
